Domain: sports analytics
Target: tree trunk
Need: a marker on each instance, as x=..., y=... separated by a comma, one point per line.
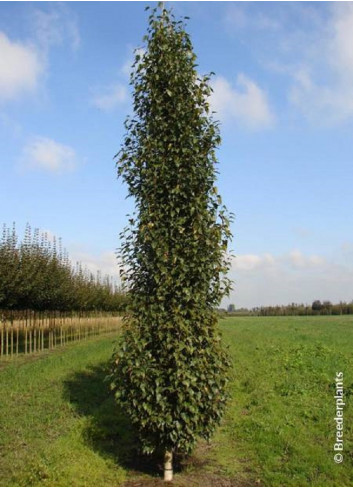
x=168, y=466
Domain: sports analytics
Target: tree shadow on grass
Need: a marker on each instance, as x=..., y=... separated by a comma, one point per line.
x=109, y=430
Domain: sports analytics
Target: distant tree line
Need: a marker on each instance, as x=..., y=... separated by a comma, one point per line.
x=36, y=274
x=315, y=309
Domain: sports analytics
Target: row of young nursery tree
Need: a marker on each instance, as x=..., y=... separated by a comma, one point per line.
x=36, y=274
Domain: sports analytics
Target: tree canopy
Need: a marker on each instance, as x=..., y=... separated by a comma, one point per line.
x=170, y=371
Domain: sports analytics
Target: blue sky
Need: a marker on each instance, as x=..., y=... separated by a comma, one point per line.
x=283, y=91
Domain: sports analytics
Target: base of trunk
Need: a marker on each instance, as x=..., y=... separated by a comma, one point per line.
x=168, y=466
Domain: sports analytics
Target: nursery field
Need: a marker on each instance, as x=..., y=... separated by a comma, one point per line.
x=59, y=425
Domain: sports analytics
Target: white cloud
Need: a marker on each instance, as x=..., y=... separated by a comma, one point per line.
x=23, y=64
x=340, y=46
x=268, y=279
x=111, y=97
x=237, y=18
x=55, y=25
x=323, y=83
x=294, y=259
x=105, y=262
x=310, y=45
x=298, y=260
x=326, y=104
x=246, y=104
x=46, y=154
x=251, y=262
x=20, y=68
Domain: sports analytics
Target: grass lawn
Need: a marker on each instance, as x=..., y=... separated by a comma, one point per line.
x=59, y=424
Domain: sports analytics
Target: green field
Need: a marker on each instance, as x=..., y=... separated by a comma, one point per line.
x=59, y=424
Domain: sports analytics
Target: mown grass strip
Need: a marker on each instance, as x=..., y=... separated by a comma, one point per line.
x=60, y=425
x=43, y=433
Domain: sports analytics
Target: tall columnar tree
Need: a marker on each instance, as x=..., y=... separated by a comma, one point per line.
x=170, y=372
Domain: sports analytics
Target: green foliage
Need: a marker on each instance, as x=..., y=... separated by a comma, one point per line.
x=36, y=274
x=171, y=371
